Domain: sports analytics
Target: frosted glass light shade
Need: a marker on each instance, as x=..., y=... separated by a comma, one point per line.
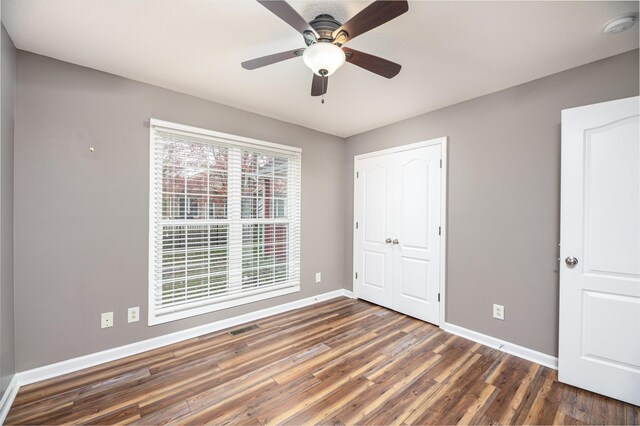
x=323, y=56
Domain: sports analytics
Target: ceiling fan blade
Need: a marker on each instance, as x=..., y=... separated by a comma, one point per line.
x=271, y=59
x=374, y=15
x=318, y=87
x=372, y=63
x=288, y=14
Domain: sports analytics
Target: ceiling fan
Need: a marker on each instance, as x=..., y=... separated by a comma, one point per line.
x=325, y=37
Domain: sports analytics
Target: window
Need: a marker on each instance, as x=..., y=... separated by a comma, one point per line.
x=224, y=221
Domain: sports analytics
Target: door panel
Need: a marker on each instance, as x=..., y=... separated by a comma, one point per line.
x=415, y=273
x=374, y=219
x=611, y=157
x=373, y=262
x=417, y=216
x=374, y=269
x=599, y=345
x=414, y=204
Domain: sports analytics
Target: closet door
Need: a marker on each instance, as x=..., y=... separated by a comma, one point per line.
x=416, y=240
x=374, y=207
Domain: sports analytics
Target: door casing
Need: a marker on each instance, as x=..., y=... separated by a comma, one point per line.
x=442, y=141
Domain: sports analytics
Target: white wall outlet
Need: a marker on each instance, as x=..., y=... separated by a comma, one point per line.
x=133, y=314
x=106, y=320
x=498, y=312
x=318, y=277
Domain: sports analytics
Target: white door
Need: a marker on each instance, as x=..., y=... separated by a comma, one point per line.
x=397, y=238
x=373, y=195
x=416, y=254
x=599, y=346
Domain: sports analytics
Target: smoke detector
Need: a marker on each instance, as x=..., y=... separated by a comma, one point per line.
x=620, y=24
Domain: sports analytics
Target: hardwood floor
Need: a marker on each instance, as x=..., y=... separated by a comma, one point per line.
x=338, y=362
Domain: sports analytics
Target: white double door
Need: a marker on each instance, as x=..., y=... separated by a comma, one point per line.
x=397, y=239
x=600, y=249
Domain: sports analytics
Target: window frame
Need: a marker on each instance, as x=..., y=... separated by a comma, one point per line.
x=237, y=142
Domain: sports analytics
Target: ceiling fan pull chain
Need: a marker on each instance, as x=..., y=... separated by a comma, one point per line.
x=322, y=96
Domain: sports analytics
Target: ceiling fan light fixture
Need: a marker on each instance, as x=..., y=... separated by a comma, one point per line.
x=323, y=58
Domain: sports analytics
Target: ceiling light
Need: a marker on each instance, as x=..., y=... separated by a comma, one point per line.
x=323, y=58
x=620, y=24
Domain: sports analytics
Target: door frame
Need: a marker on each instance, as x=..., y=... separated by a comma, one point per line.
x=442, y=141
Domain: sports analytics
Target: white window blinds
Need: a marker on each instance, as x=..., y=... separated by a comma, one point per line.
x=224, y=221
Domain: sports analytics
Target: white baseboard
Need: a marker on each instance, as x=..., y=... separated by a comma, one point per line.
x=504, y=346
x=8, y=397
x=86, y=361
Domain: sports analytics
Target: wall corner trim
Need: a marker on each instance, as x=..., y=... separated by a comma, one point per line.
x=8, y=397
x=75, y=364
x=502, y=345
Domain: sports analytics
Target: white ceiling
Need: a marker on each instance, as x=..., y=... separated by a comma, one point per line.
x=450, y=51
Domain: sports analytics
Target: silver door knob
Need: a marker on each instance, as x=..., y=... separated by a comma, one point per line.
x=388, y=241
x=571, y=261
x=396, y=241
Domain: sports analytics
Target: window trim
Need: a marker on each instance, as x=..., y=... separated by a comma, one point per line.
x=206, y=305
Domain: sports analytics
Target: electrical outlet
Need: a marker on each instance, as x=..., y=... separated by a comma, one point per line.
x=106, y=320
x=318, y=277
x=498, y=312
x=133, y=314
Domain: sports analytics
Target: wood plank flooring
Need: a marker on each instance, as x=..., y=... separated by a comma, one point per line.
x=338, y=362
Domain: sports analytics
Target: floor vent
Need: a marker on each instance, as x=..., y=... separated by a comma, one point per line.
x=243, y=329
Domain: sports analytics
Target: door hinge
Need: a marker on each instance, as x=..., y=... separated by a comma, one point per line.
x=441, y=163
x=438, y=297
x=357, y=175
x=356, y=275
x=356, y=225
x=439, y=230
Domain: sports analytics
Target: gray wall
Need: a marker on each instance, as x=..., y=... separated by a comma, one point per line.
x=81, y=218
x=7, y=366
x=504, y=196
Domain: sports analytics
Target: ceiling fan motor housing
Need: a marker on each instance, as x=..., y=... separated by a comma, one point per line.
x=325, y=25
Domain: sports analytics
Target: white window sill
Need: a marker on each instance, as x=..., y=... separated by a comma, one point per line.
x=211, y=307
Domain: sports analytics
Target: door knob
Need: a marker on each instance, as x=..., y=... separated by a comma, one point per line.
x=388, y=241
x=396, y=241
x=571, y=261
